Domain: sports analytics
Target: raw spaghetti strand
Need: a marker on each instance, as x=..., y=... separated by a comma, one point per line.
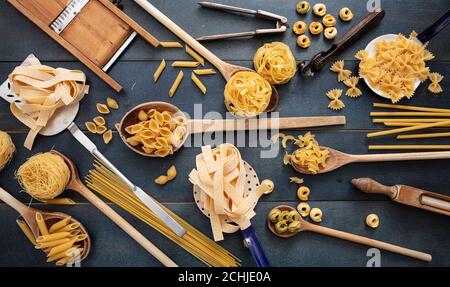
x=7, y=149
x=103, y=181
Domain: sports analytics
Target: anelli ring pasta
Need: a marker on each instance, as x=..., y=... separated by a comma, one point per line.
x=303, y=7
x=300, y=27
x=315, y=28
x=346, y=14
x=320, y=9
x=330, y=33
x=328, y=20
x=303, y=41
x=275, y=63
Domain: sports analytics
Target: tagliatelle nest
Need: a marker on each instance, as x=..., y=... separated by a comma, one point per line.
x=7, y=149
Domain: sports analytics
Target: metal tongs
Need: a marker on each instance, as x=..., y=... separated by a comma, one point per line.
x=281, y=22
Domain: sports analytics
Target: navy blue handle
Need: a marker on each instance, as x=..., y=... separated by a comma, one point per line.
x=434, y=29
x=255, y=247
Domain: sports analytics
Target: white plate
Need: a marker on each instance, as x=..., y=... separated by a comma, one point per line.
x=371, y=50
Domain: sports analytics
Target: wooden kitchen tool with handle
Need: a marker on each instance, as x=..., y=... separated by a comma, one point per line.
x=407, y=195
x=96, y=32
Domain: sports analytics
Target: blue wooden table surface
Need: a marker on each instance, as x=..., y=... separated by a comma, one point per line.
x=343, y=206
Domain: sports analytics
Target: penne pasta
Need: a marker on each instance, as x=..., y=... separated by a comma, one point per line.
x=41, y=224
x=204, y=72
x=69, y=227
x=26, y=230
x=185, y=64
x=62, y=247
x=51, y=244
x=194, y=55
x=176, y=84
x=60, y=201
x=159, y=70
x=64, y=254
x=53, y=236
x=171, y=45
x=199, y=83
x=63, y=261
x=60, y=224
x=407, y=129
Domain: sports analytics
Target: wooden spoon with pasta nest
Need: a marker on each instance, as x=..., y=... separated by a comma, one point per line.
x=227, y=70
x=338, y=159
x=206, y=125
x=306, y=226
x=29, y=215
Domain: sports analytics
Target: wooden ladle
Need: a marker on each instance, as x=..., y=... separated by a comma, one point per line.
x=227, y=70
x=200, y=126
x=306, y=226
x=76, y=184
x=29, y=215
x=338, y=159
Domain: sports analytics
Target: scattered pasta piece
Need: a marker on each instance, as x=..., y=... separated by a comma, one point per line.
x=303, y=41
x=315, y=28
x=287, y=158
x=303, y=7
x=159, y=70
x=107, y=137
x=353, y=91
x=26, y=230
x=330, y=33
x=316, y=215
x=112, y=103
x=296, y=180
x=92, y=127
x=372, y=220
x=303, y=208
x=99, y=121
x=277, y=136
x=320, y=9
x=198, y=83
x=335, y=103
x=338, y=67
x=103, y=109
x=299, y=27
x=185, y=64
x=171, y=45
x=345, y=14
x=275, y=63
x=171, y=172
x=7, y=149
x=100, y=129
x=161, y=180
x=194, y=55
x=303, y=193
x=435, y=79
x=176, y=84
x=142, y=116
x=117, y=126
x=204, y=72
x=309, y=155
x=328, y=20
x=362, y=55
x=285, y=139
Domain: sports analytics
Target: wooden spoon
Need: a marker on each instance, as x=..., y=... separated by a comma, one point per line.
x=306, y=226
x=75, y=184
x=338, y=159
x=200, y=126
x=29, y=215
x=227, y=70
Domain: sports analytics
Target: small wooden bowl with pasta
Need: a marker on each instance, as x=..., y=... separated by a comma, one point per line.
x=154, y=129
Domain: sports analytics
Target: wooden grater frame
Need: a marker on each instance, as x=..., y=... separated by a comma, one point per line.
x=99, y=70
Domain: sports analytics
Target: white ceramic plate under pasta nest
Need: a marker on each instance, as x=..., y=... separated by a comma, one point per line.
x=251, y=184
x=371, y=50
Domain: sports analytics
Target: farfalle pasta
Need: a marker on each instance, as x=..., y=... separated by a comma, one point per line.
x=353, y=91
x=335, y=102
x=435, y=79
x=338, y=67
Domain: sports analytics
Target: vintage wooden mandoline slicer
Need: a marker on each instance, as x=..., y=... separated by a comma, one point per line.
x=94, y=31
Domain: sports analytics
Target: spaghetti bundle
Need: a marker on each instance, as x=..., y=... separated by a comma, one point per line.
x=247, y=94
x=7, y=149
x=44, y=176
x=105, y=182
x=275, y=63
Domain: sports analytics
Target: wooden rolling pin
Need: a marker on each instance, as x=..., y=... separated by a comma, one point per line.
x=407, y=195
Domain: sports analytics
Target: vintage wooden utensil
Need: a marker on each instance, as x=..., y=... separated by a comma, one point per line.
x=227, y=70
x=422, y=38
x=338, y=159
x=77, y=185
x=96, y=32
x=407, y=195
x=355, y=33
x=29, y=215
x=201, y=126
x=306, y=226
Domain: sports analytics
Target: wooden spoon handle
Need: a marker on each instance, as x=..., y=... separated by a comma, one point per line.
x=369, y=242
x=188, y=39
x=201, y=126
x=401, y=156
x=14, y=203
x=369, y=185
x=125, y=226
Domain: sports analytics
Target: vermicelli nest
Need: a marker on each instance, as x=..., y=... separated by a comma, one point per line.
x=44, y=176
x=247, y=94
x=7, y=149
x=275, y=63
